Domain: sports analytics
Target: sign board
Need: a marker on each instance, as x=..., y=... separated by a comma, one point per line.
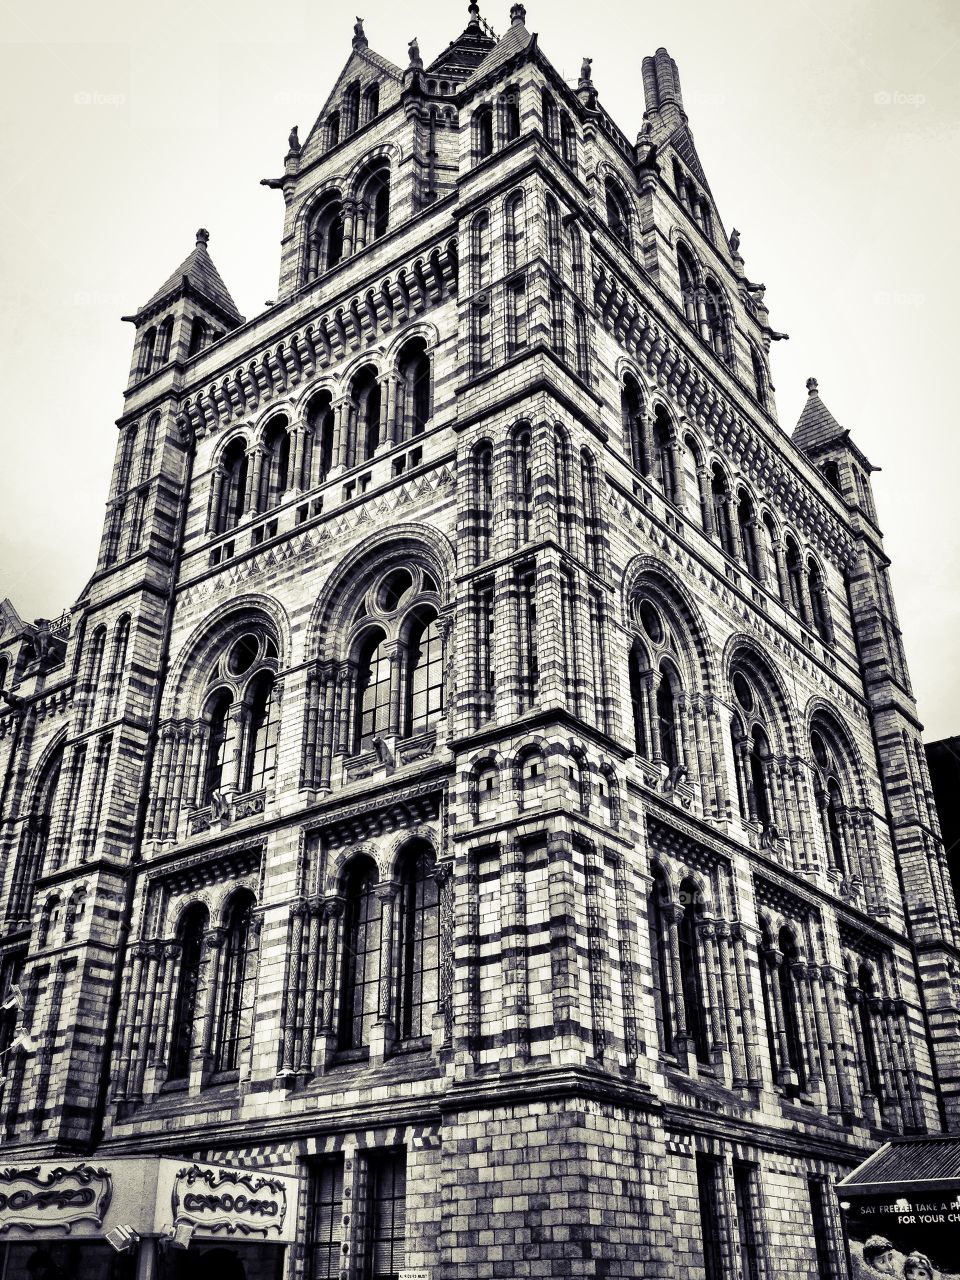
x=232, y=1200
x=36, y=1199
x=909, y=1232
x=413, y=1275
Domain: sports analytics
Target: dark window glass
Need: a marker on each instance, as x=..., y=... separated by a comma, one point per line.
x=190, y=937
x=360, y=970
x=262, y=735
x=708, y=1194
x=324, y=1224
x=822, y=1234
x=485, y=132
x=386, y=1216
x=693, y=1002
x=745, y=1191
x=373, y=692
x=418, y=989
x=218, y=721
x=236, y=985
x=425, y=677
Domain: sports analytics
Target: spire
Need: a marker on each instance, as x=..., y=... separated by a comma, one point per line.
x=198, y=274
x=817, y=425
x=463, y=55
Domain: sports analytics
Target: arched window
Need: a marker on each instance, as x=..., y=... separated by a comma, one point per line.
x=147, y=352
x=551, y=124
x=568, y=141
x=424, y=675
x=94, y=669
x=581, y=343
x=639, y=664
x=483, y=132
x=722, y=520
x=418, y=917
x=691, y=978
x=530, y=776
x=794, y=564
x=663, y=443
x=831, y=471
x=127, y=444
x=233, y=488
x=829, y=774
x=263, y=730
x=523, y=483
x=483, y=470
x=373, y=211
x=325, y=241
x=592, y=525
x=190, y=933
x=761, y=380
x=371, y=103
x=217, y=716
x=866, y=991
x=275, y=473
x=321, y=421
x=481, y=250
x=487, y=789
x=164, y=340
x=689, y=291
x=35, y=834
x=516, y=231
x=148, y=448
x=414, y=366
x=235, y=994
x=618, y=215
x=351, y=109
x=790, y=1003
x=747, y=523
x=373, y=691
x=716, y=317
x=631, y=412
x=511, y=115
x=360, y=963
x=333, y=129
x=364, y=426
x=753, y=756
x=198, y=334
x=554, y=229
x=118, y=665
x=657, y=902
x=667, y=690
x=817, y=591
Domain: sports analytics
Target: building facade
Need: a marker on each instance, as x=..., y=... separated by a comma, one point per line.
x=476, y=808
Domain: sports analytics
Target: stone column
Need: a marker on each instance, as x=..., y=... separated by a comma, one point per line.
x=202, y=1049
x=825, y=1038
x=673, y=914
x=333, y=910
x=730, y=1000
x=216, y=497
x=144, y=1016
x=288, y=1029
x=738, y=935
x=829, y=979
x=308, y=1035
x=785, y=1075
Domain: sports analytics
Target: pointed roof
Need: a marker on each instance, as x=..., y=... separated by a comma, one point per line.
x=516, y=40
x=197, y=271
x=817, y=425
x=463, y=55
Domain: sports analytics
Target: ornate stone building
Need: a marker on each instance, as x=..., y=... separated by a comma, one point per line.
x=476, y=808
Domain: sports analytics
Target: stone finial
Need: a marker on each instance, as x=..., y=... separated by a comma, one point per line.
x=474, y=11
x=203, y=238
x=518, y=14
x=414, y=53
x=359, y=38
x=586, y=73
x=813, y=386
x=734, y=241
x=293, y=142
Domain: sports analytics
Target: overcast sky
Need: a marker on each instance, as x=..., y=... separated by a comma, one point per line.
x=828, y=131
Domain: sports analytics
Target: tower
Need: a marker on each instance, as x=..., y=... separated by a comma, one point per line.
x=480, y=746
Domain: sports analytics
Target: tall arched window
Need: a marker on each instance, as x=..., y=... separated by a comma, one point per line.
x=663, y=443
x=321, y=420
x=263, y=730
x=373, y=691
x=371, y=103
x=753, y=756
x=691, y=978
x=639, y=664
x=794, y=564
x=147, y=351
x=34, y=837
x=667, y=690
x=722, y=519
x=124, y=463
x=790, y=1004
x=483, y=471
x=233, y=487
x=148, y=448
x=817, y=591
x=592, y=524
x=217, y=717
x=235, y=993
x=480, y=234
x=716, y=316
x=761, y=380
x=424, y=675
x=418, y=918
x=523, y=482
x=333, y=129
x=414, y=366
x=360, y=963
x=364, y=427
x=483, y=132
x=511, y=115
x=325, y=241
x=164, y=340
x=747, y=523
x=551, y=124
x=828, y=773
x=351, y=109
x=93, y=672
x=865, y=993
x=275, y=473
x=568, y=141
x=631, y=411
x=373, y=212
x=515, y=231
x=657, y=903
x=190, y=933
x=688, y=285
x=618, y=215
x=554, y=230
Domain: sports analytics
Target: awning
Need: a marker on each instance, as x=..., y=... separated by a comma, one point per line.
x=918, y=1164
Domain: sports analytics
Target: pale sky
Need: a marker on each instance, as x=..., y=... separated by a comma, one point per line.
x=828, y=131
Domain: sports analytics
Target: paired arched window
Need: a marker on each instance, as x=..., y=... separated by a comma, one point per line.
x=618, y=213
x=716, y=319
x=483, y=132
x=363, y=425
x=782, y=1008
x=235, y=983
x=320, y=437
x=241, y=712
x=416, y=388
x=275, y=477
x=418, y=920
x=190, y=937
x=753, y=757
x=829, y=792
x=230, y=495
x=399, y=657
x=325, y=238
x=655, y=685
x=631, y=413
x=747, y=524
x=360, y=964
